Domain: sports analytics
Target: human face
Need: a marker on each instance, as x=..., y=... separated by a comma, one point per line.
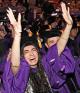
x=31, y=55
x=51, y=41
x=2, y=34
x=74, y=32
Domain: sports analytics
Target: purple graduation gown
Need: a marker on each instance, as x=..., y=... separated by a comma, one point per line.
x=77, y=71
x=57, y=68
x=77, y=59
x=54, y=67
x=17, y=83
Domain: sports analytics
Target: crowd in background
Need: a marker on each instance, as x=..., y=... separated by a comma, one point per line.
x=37, y=17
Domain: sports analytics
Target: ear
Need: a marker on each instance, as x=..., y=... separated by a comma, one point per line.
x=46, y=45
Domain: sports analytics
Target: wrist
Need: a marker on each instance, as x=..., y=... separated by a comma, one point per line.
x=70, y=24
x=17, y=36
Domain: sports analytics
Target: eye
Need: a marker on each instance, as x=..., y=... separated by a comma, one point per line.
x=25, y=52
x=34, y=49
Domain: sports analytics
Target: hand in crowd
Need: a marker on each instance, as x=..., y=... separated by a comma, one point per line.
x=15, y=23
x=66, y=14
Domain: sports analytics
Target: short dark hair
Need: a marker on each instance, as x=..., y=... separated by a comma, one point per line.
x=48, y=34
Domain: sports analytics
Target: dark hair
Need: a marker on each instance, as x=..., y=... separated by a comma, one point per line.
x=40, y=83
x=52, y=33
x=27, y=43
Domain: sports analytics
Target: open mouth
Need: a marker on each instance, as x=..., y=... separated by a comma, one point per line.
x=32, y=59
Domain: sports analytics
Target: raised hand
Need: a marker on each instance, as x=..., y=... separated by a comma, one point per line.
x=16, y=24
x=15, y=50
x=66, y=14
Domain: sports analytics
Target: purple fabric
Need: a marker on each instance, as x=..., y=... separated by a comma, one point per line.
x=63, y=89
x=53, y=67
x=17, y=83
x=58, y=67
x=77, y=71
x=67, y=61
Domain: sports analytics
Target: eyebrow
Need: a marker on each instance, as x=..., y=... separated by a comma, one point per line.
x=26, y=50
x=34, y=48
x=31, y=49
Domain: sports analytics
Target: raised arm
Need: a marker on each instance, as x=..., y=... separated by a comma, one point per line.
x=65, y=35
x=15, y=53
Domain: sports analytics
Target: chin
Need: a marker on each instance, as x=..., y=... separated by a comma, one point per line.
x=33, y=66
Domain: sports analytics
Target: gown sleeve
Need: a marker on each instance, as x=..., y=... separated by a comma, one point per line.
x=15, y=83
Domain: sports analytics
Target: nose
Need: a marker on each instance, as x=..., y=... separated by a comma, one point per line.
x=31, y=53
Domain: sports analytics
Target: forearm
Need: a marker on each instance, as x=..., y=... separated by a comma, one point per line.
x=15, y=55
x=63, y=39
